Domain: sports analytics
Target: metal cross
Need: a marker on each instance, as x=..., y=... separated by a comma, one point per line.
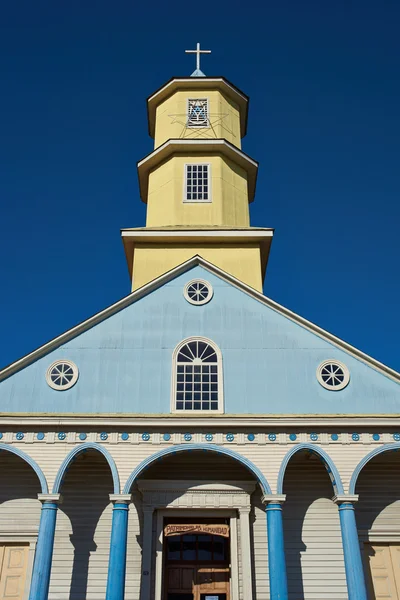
x=198, y=52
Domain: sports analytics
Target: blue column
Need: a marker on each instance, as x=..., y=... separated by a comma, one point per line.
x=119, y=538
x=276, y=552
x=44, y=548
x=352, y=556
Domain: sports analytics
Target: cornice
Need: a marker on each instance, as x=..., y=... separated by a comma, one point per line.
x=198, y=147
x=240, y=422
x=197, y=83
x=195, y=487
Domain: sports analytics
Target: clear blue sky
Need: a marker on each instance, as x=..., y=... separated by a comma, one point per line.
x=324, y=124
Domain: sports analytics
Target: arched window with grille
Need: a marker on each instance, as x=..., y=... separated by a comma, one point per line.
x=197, y=384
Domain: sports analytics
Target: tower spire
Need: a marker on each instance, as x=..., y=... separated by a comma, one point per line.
x=198, y=72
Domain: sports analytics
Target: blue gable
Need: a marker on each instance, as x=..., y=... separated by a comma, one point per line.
x=269, y=361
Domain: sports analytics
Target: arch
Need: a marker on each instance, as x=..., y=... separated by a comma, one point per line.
x=175, y=392
x=365, y=460
x=147, y=462
x=328, y=462
x=74, y=453
x=31, y=463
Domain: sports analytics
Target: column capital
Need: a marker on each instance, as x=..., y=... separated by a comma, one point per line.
x=340, y=498
x=273, y=498
x=121, y=498
x=50, y=498
x=244, y=510
x=148, y=508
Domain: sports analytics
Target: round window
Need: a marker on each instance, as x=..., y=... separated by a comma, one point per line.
x=62, y=375
x=333, y=375
x=198, y=291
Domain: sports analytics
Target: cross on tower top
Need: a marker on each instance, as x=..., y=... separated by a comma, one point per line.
x=198, y=72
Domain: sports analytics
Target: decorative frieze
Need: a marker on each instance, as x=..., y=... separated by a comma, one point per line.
x=217, y=437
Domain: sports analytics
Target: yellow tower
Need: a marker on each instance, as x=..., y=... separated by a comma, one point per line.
x=197, y=184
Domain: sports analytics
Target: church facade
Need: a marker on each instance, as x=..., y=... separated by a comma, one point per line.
x=196, y=440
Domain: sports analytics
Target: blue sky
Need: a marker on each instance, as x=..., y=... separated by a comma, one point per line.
x=324, y=124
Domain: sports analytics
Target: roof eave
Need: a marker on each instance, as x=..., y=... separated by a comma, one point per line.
x=158, y=282
x=176, y=146
x=166, y=90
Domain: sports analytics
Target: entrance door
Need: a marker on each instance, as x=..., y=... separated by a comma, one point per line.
x=13, y=562
x=196, y=567
x=384, y=564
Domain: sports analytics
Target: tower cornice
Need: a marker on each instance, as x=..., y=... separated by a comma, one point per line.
x=197, y=84
x=197, y=146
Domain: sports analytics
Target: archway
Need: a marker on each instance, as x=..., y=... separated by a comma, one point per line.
x=377, y=483
x=259, y=476
x=21, y=480
x=75, y=453
x=313, y=543
x=32, y=463
x=322, y=455
x=81, y=548
x=191, y=486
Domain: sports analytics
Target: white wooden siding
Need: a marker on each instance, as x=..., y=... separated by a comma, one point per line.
x=19, y=487
x=309, y=490
x=378, y=486
x=259, y=549
x=314, y=554
x=265, y=455
x=82, y=540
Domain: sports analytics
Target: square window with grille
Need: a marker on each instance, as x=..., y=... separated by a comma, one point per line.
x=197, y=183
x=197, y=113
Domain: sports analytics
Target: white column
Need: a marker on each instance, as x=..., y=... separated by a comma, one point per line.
x=234, y=560
x=247, y=582
x=147, y=539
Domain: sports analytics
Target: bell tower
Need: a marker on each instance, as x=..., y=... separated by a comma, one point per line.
x=197, y=183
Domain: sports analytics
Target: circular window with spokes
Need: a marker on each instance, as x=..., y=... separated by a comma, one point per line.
x=198, y=291
x=333, y=375
x=62, y=375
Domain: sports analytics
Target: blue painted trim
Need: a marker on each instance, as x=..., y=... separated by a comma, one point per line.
x=31, y=463
x=117, y=557
x=205, y=447
x=276, y=553
x=365, y=460
x=81, y=448
x=332, y=470
x=44, y=552
x=355, y=579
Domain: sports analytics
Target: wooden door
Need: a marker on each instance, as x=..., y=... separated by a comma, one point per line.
x=13, y=571
x=213, y=581
x=384, y=565
x=180, y=580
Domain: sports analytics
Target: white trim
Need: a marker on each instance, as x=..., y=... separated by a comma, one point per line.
x=346, y=375
x=200, y=302
x=191, y=80
x=191, y=513
x=245, y=551
x=193, y=486
x=198, y=142
x=199, y=233
x=220, y=373
x=67, y=386
x=220, y=421
x=207, y=111
x=170, y=275
x=209, y=183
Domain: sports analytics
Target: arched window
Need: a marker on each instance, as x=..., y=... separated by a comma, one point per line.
x=197, y=377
